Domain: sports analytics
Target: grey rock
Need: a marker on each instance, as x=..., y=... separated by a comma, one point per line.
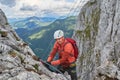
x=98, y=37
x=16, y=57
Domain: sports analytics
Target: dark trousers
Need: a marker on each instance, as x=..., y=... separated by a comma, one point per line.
x=71, y=71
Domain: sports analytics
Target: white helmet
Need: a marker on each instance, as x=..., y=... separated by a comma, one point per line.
x=58, y=34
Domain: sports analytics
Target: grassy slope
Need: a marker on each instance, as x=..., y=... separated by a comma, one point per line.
x=42, y=38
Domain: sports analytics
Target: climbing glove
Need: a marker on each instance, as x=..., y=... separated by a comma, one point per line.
x=49, y=59
x=55, y=63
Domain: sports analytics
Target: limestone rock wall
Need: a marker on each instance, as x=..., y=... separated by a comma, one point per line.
x=17, y=60
x=98, y=37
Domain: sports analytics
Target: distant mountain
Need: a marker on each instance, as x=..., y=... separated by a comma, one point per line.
x=42, y=19
x=11, y=20
x=41, y=38
x=30, y=22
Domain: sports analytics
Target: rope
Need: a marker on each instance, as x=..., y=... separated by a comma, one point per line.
x=53, y=68
x=49, y=46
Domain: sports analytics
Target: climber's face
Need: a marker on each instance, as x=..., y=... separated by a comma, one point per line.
x=60, y=40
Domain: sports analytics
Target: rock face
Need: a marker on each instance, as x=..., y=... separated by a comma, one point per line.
x=98, y=36
x=17, y=60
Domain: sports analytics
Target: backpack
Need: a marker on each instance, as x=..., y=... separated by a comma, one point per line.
x=73, y=42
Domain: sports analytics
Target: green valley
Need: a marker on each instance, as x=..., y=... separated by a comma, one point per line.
x=41, y=39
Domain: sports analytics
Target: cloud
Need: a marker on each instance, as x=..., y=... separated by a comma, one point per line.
x=70, y=0
x=40, y=8
x=9, y=3
x=28, y=8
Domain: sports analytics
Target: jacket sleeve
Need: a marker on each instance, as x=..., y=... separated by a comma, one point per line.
x=54, y=50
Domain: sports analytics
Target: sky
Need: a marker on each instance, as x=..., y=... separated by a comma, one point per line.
x=40, y=8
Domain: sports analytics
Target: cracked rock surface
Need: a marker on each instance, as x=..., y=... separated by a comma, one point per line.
x=16, y=57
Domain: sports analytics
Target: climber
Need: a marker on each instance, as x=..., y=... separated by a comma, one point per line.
x=66, y=61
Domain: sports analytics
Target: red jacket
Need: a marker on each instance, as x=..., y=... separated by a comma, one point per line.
x=65, y=51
